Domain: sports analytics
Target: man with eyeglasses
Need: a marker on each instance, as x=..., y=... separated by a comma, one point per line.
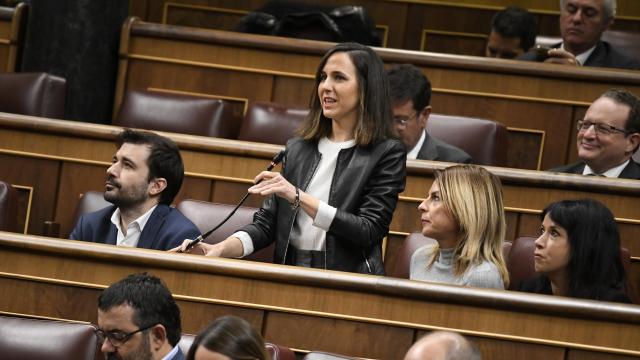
x=410, y=93
x=608, y=136
x=138, y=319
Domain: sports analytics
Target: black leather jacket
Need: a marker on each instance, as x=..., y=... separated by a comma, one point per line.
x=364, y=189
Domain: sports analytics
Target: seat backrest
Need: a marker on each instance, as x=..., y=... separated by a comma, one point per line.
x=185, y=342
x=547, y=41
x=626, y=42
x=411, y=243
x=178, y=113
x=89, y=202
x=484, y=140
x=271, y=123
x=24, y=338
x=520, y=262
x=34, y=94
x=206, y=215
x=8, y=207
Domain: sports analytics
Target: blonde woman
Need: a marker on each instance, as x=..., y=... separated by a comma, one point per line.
x=464, y=214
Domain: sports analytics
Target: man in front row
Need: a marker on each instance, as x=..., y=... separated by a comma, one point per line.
x=139, y=320
x=145, y=175
x=410, y=93
x=608, y=136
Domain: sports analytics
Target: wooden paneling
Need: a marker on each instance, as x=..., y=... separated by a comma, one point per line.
x=13, y=22
x=405, y=21
x=537, y=102
x=311, y=309
x=40, y=174
x=364, y=340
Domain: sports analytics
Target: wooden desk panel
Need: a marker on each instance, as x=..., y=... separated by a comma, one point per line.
x=537, y=102
x=385, y=314
x=13, y=22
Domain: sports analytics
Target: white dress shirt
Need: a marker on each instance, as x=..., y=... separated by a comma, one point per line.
x=134, y=229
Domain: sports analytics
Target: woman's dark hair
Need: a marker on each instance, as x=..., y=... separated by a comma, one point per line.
x=233, y=337
x=595, y=266
x=375, y=109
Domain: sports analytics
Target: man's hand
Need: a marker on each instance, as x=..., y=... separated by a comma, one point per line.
x=562, y=57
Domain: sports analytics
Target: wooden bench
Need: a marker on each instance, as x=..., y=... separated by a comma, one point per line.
x=539, y=103
x=308, y=309
x=454, y=27
x=13, y=25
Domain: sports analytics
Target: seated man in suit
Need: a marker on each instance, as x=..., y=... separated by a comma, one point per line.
x=582, y=23
x=607, y=137
x=145, y=176
x=138, y=319
x=410, y=93
x=513, y=33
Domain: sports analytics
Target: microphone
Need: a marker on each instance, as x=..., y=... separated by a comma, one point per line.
x=275, y=161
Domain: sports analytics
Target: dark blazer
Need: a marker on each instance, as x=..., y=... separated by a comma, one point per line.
x=179, y=355
x=165, y=229
x=541, y=285
x=631, y=171
x=604, y=55
x=434, y=149
x=364, y=190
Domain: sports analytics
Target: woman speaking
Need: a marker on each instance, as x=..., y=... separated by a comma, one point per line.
x=332, y=204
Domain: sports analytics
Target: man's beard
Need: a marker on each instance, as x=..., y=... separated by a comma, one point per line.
x=143, y=352
x=126, y=198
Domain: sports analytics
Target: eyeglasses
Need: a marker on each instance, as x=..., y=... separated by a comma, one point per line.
x=403, y=120
x=601, y=129
x=118, y=338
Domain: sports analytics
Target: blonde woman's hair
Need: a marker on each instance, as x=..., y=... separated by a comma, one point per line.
x=473, y=196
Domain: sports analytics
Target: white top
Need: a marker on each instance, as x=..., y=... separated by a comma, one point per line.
x=582, y=58
x=413, y=154
x=611, y=173
x=308, y=233
x=134, y=229
x=482, y=275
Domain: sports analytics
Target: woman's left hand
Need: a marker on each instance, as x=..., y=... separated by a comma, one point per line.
x=273, y=183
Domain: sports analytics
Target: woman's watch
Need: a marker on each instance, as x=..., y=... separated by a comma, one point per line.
x=296, y=202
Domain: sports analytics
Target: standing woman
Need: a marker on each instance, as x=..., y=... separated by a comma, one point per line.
x=465, y=215
x=578, y=253
x=332, y=204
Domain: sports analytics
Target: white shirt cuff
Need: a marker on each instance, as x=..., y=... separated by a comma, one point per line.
x=324, y=216
x=247, y=243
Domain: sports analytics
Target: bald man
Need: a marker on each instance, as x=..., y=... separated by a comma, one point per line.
x=443, y=345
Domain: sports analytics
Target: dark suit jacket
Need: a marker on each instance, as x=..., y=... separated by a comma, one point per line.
x=165, y=229
x=541, y=285
x=604, y=55
x=631, y=171
x=179, y=355
x=434, y=149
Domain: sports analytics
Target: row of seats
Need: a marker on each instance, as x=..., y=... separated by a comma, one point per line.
x=28, y=338
x=518, y=254
x=266, y=122
x=40, y=94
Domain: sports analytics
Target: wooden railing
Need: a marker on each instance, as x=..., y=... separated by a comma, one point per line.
x=307, y=309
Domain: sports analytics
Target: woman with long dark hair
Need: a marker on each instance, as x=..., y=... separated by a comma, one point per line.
x=578, y=253
x=332, y=204
x=228, y=337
